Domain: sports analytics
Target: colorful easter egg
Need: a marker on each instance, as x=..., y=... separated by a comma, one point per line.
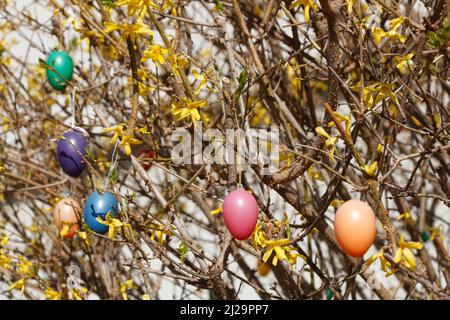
x=67, y=214
x=240, y=213
x=263, y=268
x=98, y=205
x=70, y=152
x=329, y=293
x=425, y=235
x=63, y=64
x=355, y=227
x=146, y=153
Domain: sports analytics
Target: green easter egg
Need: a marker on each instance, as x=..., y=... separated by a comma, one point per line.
x=63, y=65
x=425, y=236
x=329, y=294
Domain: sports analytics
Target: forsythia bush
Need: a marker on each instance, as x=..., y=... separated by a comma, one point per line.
x=359, y=92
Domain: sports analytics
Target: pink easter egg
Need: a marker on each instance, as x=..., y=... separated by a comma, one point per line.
x=67, y=212
x=240, y=213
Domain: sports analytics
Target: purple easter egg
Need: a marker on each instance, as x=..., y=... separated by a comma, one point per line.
x=71, y=150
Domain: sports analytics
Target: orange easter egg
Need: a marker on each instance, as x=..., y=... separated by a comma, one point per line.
x=67, y=212
x=354, y=226
x=263, y=268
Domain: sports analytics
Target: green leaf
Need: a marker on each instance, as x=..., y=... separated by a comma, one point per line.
x=114, y=175
x=89, y=154
x=281, y=63
x=288, y=231
x=183, y=249
x=437, y=40
x=73, y=45
x=42, y=64
x=89, y=182
x=212, y=295
x=109, y=3
x=242, y=79
x=219, y=6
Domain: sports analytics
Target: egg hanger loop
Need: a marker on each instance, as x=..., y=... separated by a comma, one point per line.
x=72, y=105
x=239, y=184
x=67, y=190
x=113, y=165
x=70, y=189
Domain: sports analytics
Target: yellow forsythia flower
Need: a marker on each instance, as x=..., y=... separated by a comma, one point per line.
x=404, y=253
x=79, y=294
x=282, y=251
x=124, y=286
x=5, y=261
x=138, y=7
x=335, y=203
x=350, y=5
x=129, y=30
x=201, y=78
x=216, y=211
x=403, y=63
x=113, y=224
x=330, y=142
x=19, y=285
x=307, y=5
x=379, y=34
x=51, y=294
x=370, y=169
x=3, y=240
x=405, y=216
x=24, y=266
x=156, y=53
x=385, y=264
x=85, y=236
x=125, y=140
x=187, y=108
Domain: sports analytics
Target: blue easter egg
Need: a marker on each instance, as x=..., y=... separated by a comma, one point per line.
x=98, y=205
